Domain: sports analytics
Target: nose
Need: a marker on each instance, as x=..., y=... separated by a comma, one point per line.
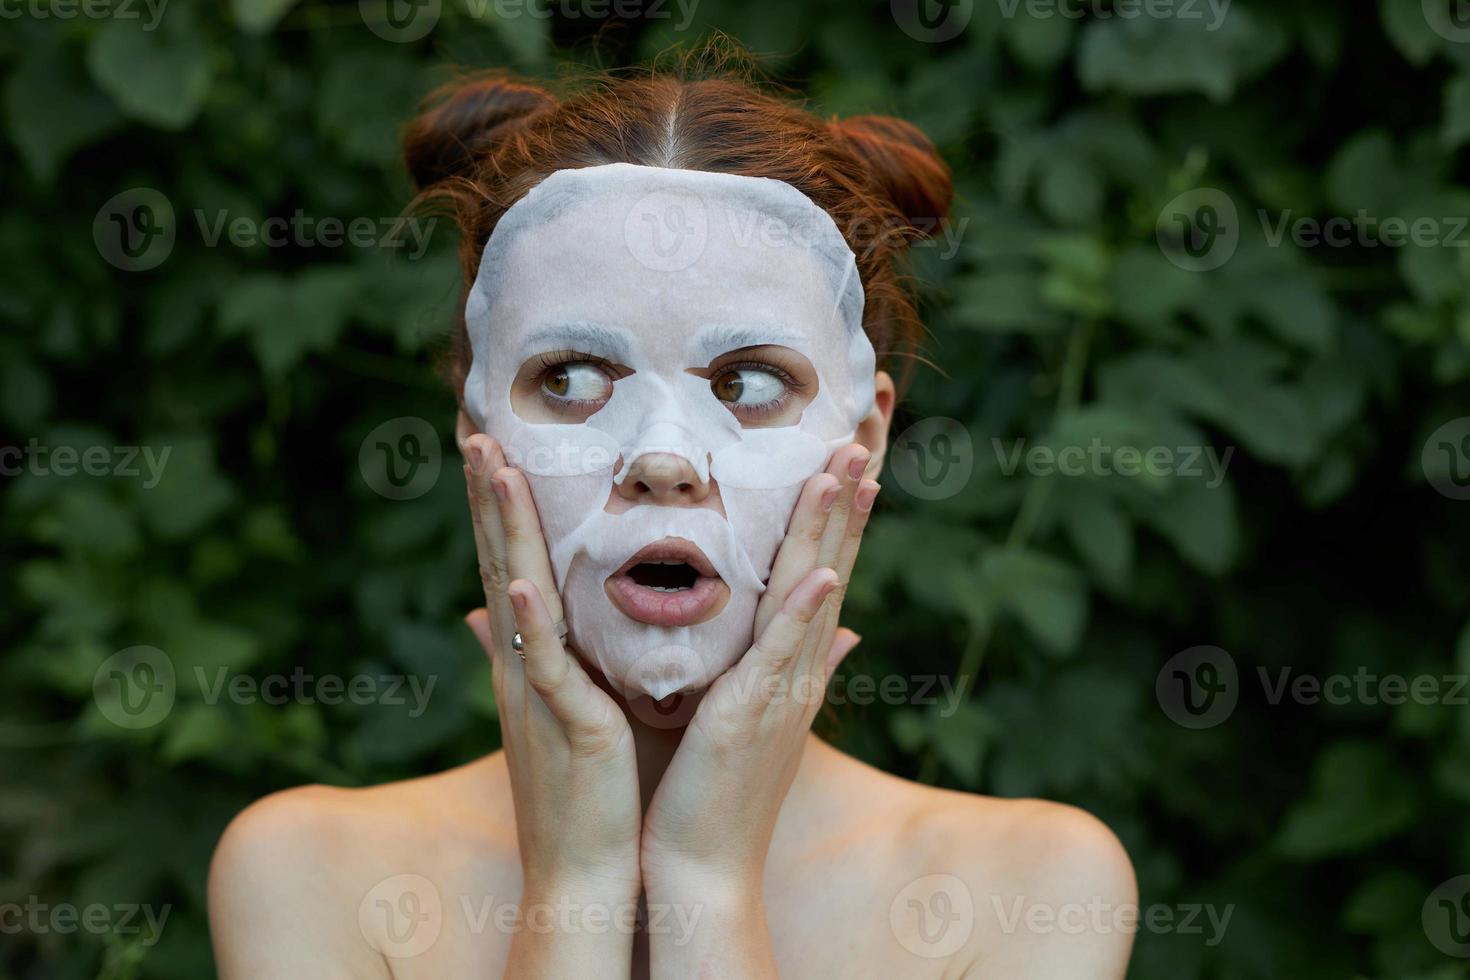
x=663, y=478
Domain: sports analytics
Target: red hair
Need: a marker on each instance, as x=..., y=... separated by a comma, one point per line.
x=482, y=142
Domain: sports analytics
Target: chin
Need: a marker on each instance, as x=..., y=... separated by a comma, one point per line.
x=659, y=659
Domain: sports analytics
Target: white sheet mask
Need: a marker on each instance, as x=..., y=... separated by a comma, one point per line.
x=663, y=271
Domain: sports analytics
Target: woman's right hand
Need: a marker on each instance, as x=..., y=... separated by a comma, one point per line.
x=567, y=744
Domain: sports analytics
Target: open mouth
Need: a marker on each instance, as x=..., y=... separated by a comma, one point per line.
x=668, y=583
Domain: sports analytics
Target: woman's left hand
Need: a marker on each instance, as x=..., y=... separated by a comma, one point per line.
x=709, y=825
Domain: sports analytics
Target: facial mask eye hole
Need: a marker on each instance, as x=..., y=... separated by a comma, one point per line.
x=577, y=382
x=748, y=388
x=564, y=386
x=763, y=386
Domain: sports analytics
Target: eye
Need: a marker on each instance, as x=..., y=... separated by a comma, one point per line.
x=748, y=387
x=578, y=382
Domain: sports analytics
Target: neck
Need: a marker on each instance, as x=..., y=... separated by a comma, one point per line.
x=658, y=727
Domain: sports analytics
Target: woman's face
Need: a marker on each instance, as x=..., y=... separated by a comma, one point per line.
x=668, y=355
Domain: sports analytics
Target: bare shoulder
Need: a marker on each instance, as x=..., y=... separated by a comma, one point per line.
x=1037, y=889
x=292, y=869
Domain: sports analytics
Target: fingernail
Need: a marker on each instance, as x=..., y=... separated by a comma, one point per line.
x=829, y=585
x=829, y=498
x=476, y=458
x=502, y=492
x=519, y=601
x=866, y=494
x=858, y=466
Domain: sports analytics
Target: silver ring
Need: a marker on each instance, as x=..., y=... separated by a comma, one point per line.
x=519, y=645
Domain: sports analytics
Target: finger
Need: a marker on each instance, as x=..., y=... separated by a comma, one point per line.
x=781, y=641
x=847, y=542
x=479, y=623
x=560, y=681
x=508, y=695
x=798, y=552
x=526, y=551
x=856, y=523
x=853, y=466
x=491, y=549
x=842, y=644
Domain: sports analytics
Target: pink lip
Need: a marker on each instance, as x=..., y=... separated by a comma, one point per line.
x=694, y=605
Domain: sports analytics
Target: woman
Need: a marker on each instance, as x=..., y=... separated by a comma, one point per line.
x=681, y=295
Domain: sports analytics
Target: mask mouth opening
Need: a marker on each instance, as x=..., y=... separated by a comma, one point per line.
x=664, y=575
x=668, y=583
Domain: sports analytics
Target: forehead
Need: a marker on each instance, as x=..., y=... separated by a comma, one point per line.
x=686, y=271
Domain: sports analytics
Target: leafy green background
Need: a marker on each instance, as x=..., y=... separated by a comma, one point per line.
x=1058, y=320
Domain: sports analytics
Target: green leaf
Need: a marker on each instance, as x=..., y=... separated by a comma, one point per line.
x=159, y=76
x=1102, y=535
x=197, y=731
x=1408, y=28
x=1210, y=54
x=259, y=16
x=284, y=319
x=525, y=30
x=1455, y=129
x=1039, y=43
x=1362, y=174
x=1005, y=300
x=1071, y=191
x=190, y=490
x=1359, y=796
x=52, y=110
x=1297, y=310
x=1046, y=595
x=1200, y=521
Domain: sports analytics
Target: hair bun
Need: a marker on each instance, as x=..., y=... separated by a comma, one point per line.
x=464, y=119
x=904, y=164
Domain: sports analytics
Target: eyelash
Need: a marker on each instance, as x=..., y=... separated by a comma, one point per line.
x=793, y=386
x=550, y=361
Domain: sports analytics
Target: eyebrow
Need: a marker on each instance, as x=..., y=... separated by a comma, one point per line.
x=720, y=338
x=587, y=338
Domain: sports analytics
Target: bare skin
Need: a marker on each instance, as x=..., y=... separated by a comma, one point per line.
x=744, y=845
